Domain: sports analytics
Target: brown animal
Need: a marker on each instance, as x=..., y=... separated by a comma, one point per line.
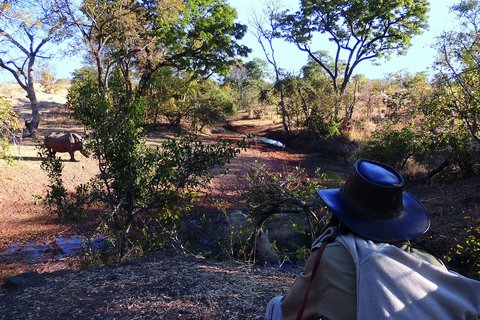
x=65, y=142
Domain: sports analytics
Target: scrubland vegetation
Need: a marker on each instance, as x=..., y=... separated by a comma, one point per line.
x=178, y=63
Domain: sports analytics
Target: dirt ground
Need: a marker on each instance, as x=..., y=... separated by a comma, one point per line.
x=23, y=184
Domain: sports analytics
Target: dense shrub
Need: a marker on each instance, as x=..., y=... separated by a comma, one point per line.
x=280, y=203
x=141, y=191
x=67, y=206
x=394, y=146
x=467, y=253
x=8, y=127
x=182, y=99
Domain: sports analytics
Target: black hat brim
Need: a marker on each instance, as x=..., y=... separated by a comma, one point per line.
x=412, y=222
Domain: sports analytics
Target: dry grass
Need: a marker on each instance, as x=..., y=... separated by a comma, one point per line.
x=165, y=288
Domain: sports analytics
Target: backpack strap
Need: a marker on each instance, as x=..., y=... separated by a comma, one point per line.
x=316, y=264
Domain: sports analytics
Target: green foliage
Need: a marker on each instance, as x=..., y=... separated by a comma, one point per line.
x=366, y=20
x=453, y=112
x=457, y=77
x=309, y=101
x=179, y=97
x=201, y=37
x=472, y=245
x=434, y=137
x=450, y=137
x=139, y=38
x=333, y=128
x=8, y=127
x=394, y=146
x=302, y=253
x=55, y=198
x=144, y=189
x=28, y=31
x=467, y=253
x=248, y=86
x=212, y=104
x=83, y=94
x=66, y=206
x=457, y=148
x=359, y=31
x=149, y=59
x=405, y=93
x=271, y=194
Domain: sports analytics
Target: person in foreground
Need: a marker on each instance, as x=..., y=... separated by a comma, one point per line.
x=364, y=267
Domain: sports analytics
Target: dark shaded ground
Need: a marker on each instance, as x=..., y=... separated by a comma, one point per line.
x=181, y=287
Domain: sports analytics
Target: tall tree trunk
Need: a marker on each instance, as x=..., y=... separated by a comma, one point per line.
x=284, y=113
x=32, y=125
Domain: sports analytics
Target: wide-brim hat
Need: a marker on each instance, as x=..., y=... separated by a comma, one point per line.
x=372, y=203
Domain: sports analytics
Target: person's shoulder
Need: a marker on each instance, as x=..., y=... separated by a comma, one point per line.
x=336, y=254
x=422, y=254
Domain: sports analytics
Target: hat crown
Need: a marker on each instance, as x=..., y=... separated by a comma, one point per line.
x=375, y=189
x=379, y=175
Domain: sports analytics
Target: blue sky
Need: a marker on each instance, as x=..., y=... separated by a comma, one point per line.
x=419, y=57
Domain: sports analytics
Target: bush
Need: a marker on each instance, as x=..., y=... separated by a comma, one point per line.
x=394, y=146
x=179, y=98
x=212, y=105
x=280, y=202
x=466, y=254
x=69, y=207
x=8, y=127
x=458, y=148
x=142, y=190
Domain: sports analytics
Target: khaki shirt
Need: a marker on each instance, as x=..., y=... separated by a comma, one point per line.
x=333, y=290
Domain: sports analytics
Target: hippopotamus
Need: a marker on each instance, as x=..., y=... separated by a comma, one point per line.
x=65, y=142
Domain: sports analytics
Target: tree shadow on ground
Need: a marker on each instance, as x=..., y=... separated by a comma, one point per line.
x=20, y=158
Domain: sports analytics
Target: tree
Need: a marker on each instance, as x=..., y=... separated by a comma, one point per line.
x=247, y=81
x=267, y=28
x=178, y=96
x=404, y=94
x=27, y=28
x=142, y=189
x=211, y=104
x=140, y=38
x=359, y=30
x=133, y=44
x=458, y=70
x=315, y=98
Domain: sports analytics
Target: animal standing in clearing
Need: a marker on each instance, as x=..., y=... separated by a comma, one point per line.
x=65, y=142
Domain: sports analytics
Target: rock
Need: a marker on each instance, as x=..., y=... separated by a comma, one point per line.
x=289, y=231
